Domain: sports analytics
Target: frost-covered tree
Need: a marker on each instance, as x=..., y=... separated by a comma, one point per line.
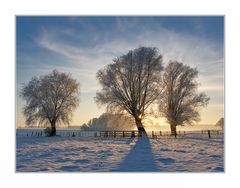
x=179, y=101
x=50, y=99
x=109, y=122
x=84, y=127
x=131, y=83
x=220, y=123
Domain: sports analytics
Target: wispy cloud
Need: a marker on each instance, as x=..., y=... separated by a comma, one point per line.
x=197, y=52
x=84, y=51
x=52, y=44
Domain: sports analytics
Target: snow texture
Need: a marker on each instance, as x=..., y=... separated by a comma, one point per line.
x=89, y=154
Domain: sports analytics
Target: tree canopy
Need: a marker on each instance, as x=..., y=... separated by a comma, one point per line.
x=50, y=99
x=220, y=123
x=111, y=122
x=131, y=82
x=179, y=101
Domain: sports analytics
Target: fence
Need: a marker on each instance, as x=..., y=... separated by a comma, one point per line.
x=200, y=133
x=159, y=134
x=63, y=133
x=122, y=134
x=117, y=134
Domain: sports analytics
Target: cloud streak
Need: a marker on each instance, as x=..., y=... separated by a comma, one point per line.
x=83, y=59
x=191, y=50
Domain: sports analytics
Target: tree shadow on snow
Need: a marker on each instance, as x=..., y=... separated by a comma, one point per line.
x=139, y=159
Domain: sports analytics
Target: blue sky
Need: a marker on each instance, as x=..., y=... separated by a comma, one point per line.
x=83, y=45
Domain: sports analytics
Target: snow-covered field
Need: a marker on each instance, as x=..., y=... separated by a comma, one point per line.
x=192, y=153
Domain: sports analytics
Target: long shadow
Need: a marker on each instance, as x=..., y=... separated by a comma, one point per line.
x=139, y=159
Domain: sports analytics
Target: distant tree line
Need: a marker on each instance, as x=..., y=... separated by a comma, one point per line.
x=109, y=122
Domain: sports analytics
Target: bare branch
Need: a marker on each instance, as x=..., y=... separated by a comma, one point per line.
x=179, y=102
x=50, y=98
x=131, y=83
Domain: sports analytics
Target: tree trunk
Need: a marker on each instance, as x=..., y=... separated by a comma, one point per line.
x=53, y=126
x=173, y=130
x=140, y=126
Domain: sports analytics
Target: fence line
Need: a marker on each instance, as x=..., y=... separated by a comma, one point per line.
x=118, y=134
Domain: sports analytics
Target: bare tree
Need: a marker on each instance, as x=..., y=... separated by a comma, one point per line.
x=179, y=102
x=131, y=83
x=50, y=99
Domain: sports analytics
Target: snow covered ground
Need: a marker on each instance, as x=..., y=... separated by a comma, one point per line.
x=192, y=153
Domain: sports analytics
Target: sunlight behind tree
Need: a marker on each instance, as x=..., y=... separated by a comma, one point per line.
x=180, y=102
x=131, y=83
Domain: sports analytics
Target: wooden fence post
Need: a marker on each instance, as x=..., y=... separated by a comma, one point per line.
x=209, y=134
x=123, y=133
x=160, y=133
x=133, y=134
